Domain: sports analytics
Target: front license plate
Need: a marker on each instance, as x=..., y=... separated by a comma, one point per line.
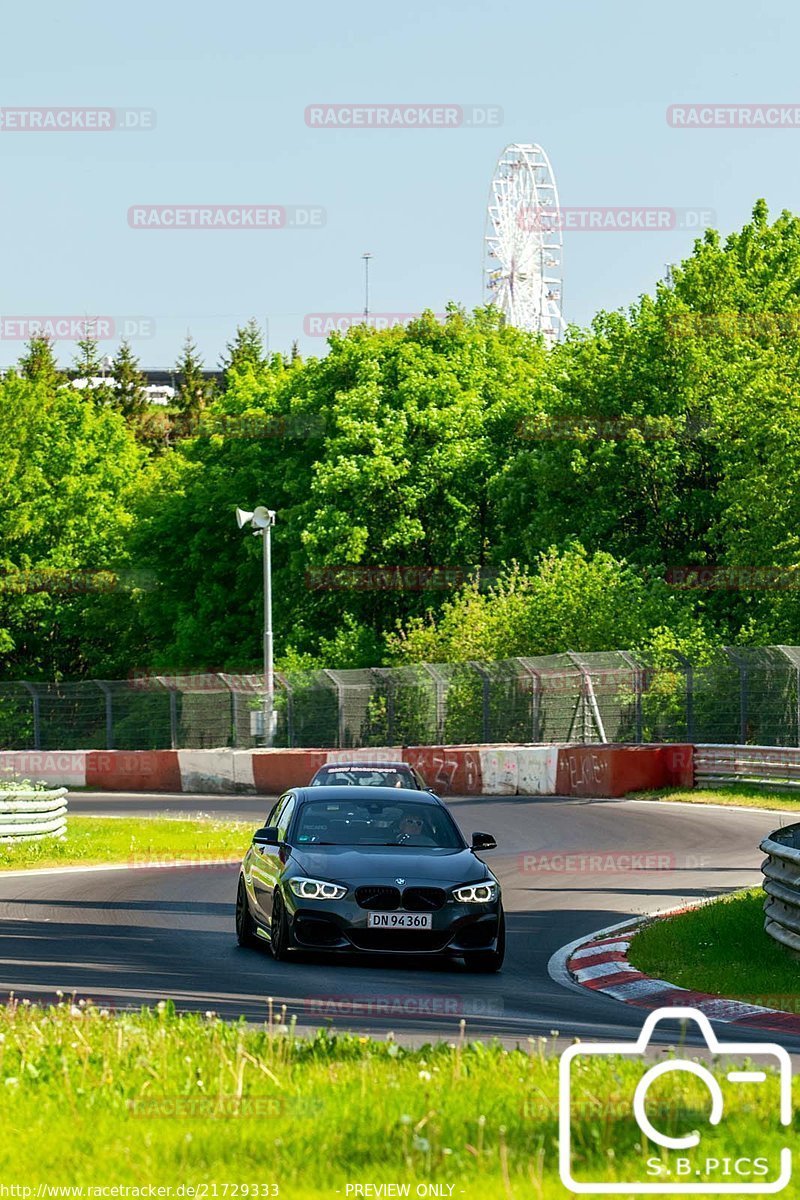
x=398, y=920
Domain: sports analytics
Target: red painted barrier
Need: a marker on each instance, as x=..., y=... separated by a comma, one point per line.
x=583, y=770
x=276, y=770
x=133, y=770
x=611, y=770
x=449, y=770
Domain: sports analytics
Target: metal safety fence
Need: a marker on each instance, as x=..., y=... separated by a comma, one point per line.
x=781, y=870
x=739, y=695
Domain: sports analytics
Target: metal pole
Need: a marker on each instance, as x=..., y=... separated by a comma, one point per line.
x=366, y=258
x=269, y=680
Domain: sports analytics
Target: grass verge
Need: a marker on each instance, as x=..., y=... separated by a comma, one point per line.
x=89, y=1099
x=742, y=795
x=721, y=948
x=94, y=841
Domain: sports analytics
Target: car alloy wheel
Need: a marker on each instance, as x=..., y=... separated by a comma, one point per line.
x=245, y=925
x=279, y=930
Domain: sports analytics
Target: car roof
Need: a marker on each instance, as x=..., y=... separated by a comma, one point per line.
x=345, y=791
x=365, y=766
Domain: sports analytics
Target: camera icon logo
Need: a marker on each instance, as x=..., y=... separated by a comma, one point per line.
x=685, y=1168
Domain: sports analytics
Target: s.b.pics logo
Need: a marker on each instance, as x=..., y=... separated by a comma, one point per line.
x=690, y=1126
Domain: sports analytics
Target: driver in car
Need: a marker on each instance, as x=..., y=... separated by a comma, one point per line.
x=411, y=828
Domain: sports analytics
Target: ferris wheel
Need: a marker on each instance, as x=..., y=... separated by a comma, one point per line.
x=523, y=242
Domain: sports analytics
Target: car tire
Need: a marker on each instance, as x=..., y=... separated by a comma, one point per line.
x=245, y=925
x=487, y=962
x=280, y=938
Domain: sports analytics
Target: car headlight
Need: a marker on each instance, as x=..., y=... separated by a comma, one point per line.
x=476, y=893
x=316, y=889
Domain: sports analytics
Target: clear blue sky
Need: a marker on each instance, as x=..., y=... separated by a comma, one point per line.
x=588, y=79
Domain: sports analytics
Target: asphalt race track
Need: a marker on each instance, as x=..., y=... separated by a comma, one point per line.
x=126, y=937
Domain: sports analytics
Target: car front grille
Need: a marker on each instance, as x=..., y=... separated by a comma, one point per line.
x=378, y=896
x=412, y=941
x=424, y=899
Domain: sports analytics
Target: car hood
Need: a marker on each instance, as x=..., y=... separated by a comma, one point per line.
x=385, y=864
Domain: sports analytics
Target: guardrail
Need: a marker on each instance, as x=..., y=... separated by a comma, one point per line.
x=777, y=766
x=28, y=815
x=781, y=870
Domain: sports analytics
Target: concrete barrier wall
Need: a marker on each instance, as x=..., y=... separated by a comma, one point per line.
x=501, y=770
x=608, y=770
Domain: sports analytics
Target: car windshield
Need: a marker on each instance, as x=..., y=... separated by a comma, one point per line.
x=376, y=823
x=400, y=776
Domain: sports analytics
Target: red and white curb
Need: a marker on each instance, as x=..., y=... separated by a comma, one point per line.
x=600, y=964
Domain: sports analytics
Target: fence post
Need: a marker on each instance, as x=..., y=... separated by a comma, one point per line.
x=744, y=692
x=484, y=674
x=37, y=714
x=688, y=670
x=339, y=705
x=106, y=690
x=536, y=698
x=173, y=718
x=638, y=687
x=384, y=675
x=439, y=685
x=287, y=687
x=588, y=701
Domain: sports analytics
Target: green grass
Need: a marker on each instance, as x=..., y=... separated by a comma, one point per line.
x=721, y=948
x=742, y=795
x=91, y=1099
x=95, y=840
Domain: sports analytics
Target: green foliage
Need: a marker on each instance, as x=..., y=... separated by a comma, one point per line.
x=39, y=365
x=194, y=1101
x=193, y=390
x=129, y=383
x=565, y=484
x=127, y=840
x=67, y=475
x=571, y=601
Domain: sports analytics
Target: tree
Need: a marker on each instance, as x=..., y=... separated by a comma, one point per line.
x=129, y=383
x=39, y=364
x=380, y=455
x=68, y=474
x=88, y=362
x=89, y=370
x=245, y=353
x=193, y=390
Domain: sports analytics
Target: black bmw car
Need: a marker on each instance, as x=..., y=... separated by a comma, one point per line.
x=369, y=869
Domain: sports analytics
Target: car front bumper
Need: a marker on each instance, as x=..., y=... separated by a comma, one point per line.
x=341, y=925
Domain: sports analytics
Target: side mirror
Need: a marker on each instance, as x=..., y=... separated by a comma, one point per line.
x=268, y=836
x=483, y=841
